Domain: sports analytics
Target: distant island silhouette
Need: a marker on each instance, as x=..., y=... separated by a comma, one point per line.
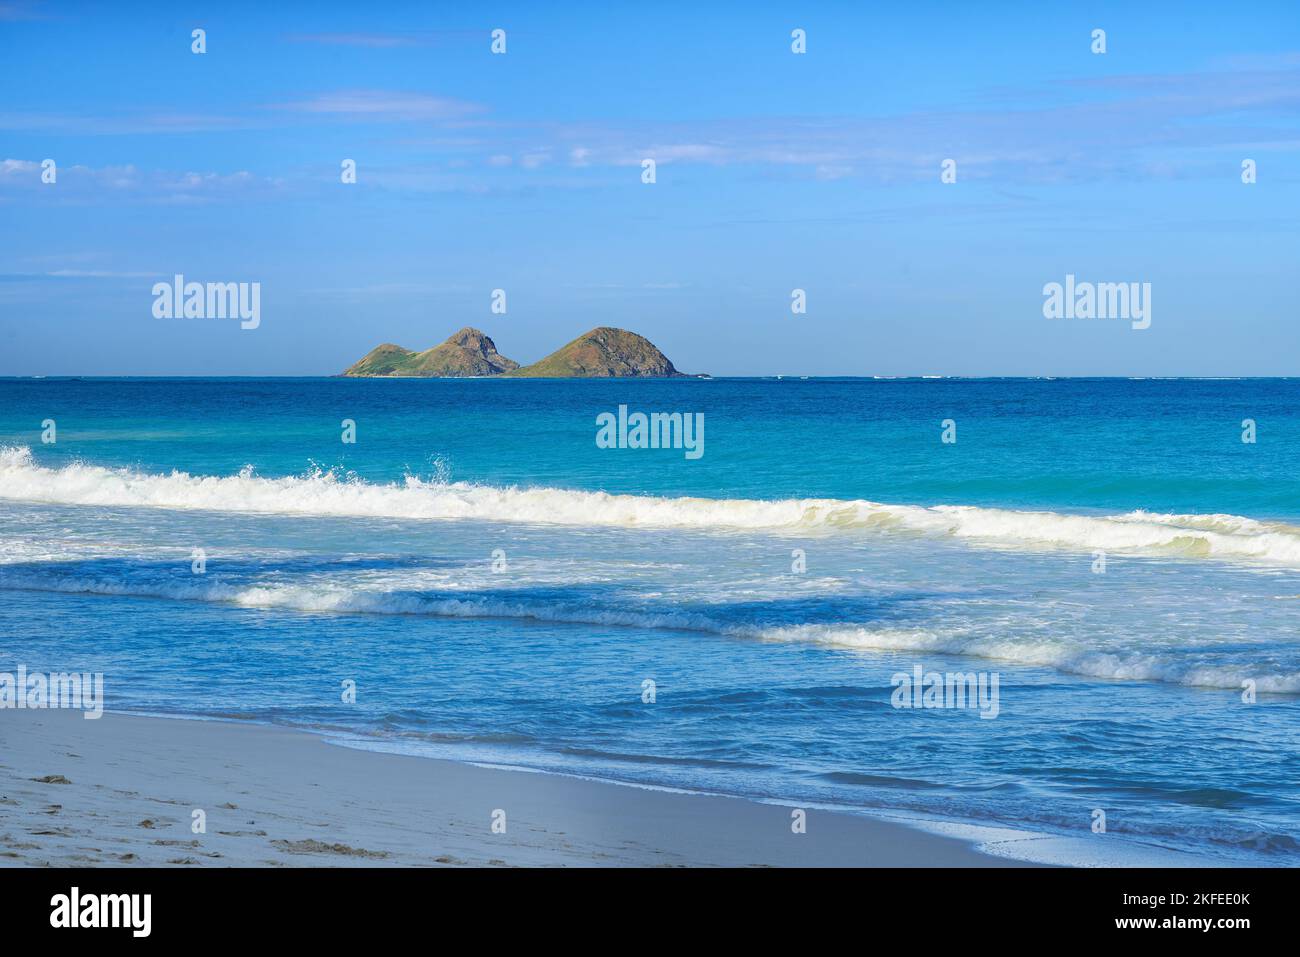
x=604, y=352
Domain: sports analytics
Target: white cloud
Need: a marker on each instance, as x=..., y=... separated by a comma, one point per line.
x=383, y=104
x=80, y=183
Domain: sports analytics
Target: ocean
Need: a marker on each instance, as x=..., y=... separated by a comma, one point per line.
x=491, y=585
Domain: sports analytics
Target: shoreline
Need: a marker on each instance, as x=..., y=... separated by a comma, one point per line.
x=122, y=790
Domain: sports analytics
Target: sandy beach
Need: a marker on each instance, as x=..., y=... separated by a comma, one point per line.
x=121, y=791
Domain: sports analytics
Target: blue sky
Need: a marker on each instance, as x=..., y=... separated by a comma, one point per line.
x=775, y=171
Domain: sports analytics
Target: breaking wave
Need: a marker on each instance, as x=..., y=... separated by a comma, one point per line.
x=325, y=493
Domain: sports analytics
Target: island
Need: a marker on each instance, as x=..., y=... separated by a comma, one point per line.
x=604, y=352
x=467, y=353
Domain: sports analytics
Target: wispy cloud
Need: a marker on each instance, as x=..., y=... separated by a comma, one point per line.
x=418, y=38
x=83, y=183
x=375, y=40
x=385, y=105
x=69, y=274
x=355, y=105
x=123, y=123
x=1151, y=126
x=1136, y=127
x=98, y=274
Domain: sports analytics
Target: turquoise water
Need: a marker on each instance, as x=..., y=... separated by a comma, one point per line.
x=374, y=562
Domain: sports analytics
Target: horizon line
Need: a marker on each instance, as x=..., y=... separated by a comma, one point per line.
x=699, y=376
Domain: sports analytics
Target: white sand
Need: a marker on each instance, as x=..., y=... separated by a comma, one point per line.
x=277, y=797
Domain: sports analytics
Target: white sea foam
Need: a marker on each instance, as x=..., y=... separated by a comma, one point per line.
x=1178, y=665
x=322, y=493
